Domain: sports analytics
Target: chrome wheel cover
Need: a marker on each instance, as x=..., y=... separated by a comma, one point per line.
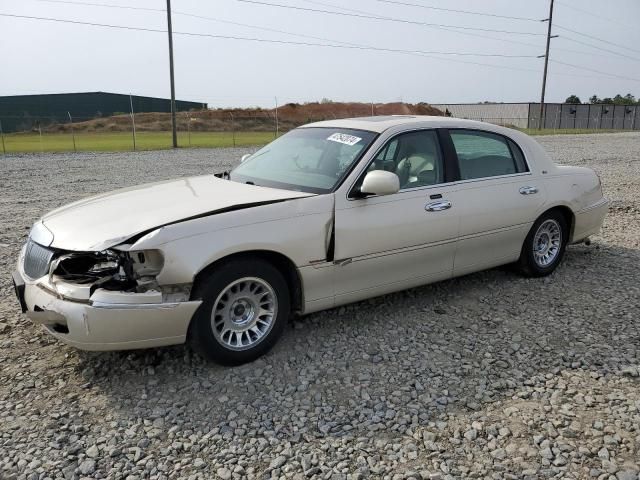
x=547, y=243
x=244, y=313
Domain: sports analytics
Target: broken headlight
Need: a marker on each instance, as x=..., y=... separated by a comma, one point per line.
x=110, y=269
x=86, y=267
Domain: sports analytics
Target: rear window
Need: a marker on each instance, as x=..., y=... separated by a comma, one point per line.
x=484, y=154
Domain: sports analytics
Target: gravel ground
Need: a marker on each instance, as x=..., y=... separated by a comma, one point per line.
x=487, y=376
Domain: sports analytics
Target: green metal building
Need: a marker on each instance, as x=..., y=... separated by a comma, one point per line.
x=26, y=112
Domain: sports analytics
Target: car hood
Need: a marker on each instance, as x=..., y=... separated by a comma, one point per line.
x=103, y=221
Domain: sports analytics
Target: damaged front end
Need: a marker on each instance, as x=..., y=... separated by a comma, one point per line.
x=102, y=300
x=96, y=276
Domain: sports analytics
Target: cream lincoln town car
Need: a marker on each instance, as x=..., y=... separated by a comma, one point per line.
x=330, y=213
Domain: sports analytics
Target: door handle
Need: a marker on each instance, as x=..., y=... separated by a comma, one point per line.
x=438, y=206
x=528, y=190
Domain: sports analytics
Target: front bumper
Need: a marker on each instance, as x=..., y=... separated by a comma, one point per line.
x=127, y=322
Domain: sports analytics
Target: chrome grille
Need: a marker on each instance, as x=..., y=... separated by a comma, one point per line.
x=36, y=260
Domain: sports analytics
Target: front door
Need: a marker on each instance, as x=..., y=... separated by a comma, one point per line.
x=392, y=242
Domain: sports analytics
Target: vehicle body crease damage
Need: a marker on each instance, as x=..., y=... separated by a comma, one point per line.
x=116, y=268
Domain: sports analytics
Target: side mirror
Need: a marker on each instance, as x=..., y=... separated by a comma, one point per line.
x=380, y=182
x=245, y=157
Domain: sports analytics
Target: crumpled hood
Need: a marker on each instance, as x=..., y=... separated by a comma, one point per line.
x=103, y=221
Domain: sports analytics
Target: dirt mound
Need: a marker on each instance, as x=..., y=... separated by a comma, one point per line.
x=289, y=116
x=329, y=110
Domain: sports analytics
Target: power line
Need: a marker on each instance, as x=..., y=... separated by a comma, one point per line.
x=202, y=17
x=591, y=45
x=387, y=19
x=254, y=39
x=302, y=35
x=192, y=15
x=504, y=40
x=613, y=75
x=596, y=38
x=598, y=16
x=352, y=46
x=108, y=5
x=471, y=34
x=429, y=7
x=284, y=32
x=257, y=27
x=186, y=14
x=423, y=54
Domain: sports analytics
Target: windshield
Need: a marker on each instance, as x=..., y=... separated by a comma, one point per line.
x=306, y=159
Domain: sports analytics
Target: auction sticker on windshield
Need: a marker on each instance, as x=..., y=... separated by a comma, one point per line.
x=344, y=138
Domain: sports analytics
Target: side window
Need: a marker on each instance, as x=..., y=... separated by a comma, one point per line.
x=415, y=157
x=385, y=159
x=419, y=160
x=484, y=154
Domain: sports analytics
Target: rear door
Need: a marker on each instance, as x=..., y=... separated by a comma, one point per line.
x=498, y=199
x=391, y=242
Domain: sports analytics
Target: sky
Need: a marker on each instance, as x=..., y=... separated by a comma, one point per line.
x=53, y=57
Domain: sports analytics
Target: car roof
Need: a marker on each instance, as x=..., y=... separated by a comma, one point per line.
x=379, y=124
x=399, y=123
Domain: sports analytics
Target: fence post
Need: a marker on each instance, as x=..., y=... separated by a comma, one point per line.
x=133, y=123
x=188, y=116
x=40, y=133
x=277, y=127
x=4, y=151
x=73, y=134
x=233, y=129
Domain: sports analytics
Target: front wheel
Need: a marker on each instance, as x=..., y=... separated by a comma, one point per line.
x=544, y=246
x=245, y=307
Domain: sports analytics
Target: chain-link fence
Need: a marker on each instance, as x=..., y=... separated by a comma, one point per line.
x=140, y=131
x=133, y=130
x=144, y=131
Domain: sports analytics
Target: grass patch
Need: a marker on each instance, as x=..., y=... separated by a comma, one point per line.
x=567, y=131
x=122, y=141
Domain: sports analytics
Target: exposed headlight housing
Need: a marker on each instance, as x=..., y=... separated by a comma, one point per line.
x=109, y=268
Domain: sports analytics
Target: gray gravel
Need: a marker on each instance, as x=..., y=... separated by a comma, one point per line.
x=486, y=376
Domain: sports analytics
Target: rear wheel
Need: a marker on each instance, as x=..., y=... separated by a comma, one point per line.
x=544, y=246
x=245, y=307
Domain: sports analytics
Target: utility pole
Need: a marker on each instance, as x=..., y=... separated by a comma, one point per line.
x=174, y=131
x=546, y=64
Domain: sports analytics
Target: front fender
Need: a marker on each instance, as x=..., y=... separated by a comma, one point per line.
x=296, y=229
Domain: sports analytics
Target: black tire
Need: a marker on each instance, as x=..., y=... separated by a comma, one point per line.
x=201, y=333
x=527, y=264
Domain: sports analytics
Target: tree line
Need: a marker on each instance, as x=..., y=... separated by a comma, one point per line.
x=627, y=99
